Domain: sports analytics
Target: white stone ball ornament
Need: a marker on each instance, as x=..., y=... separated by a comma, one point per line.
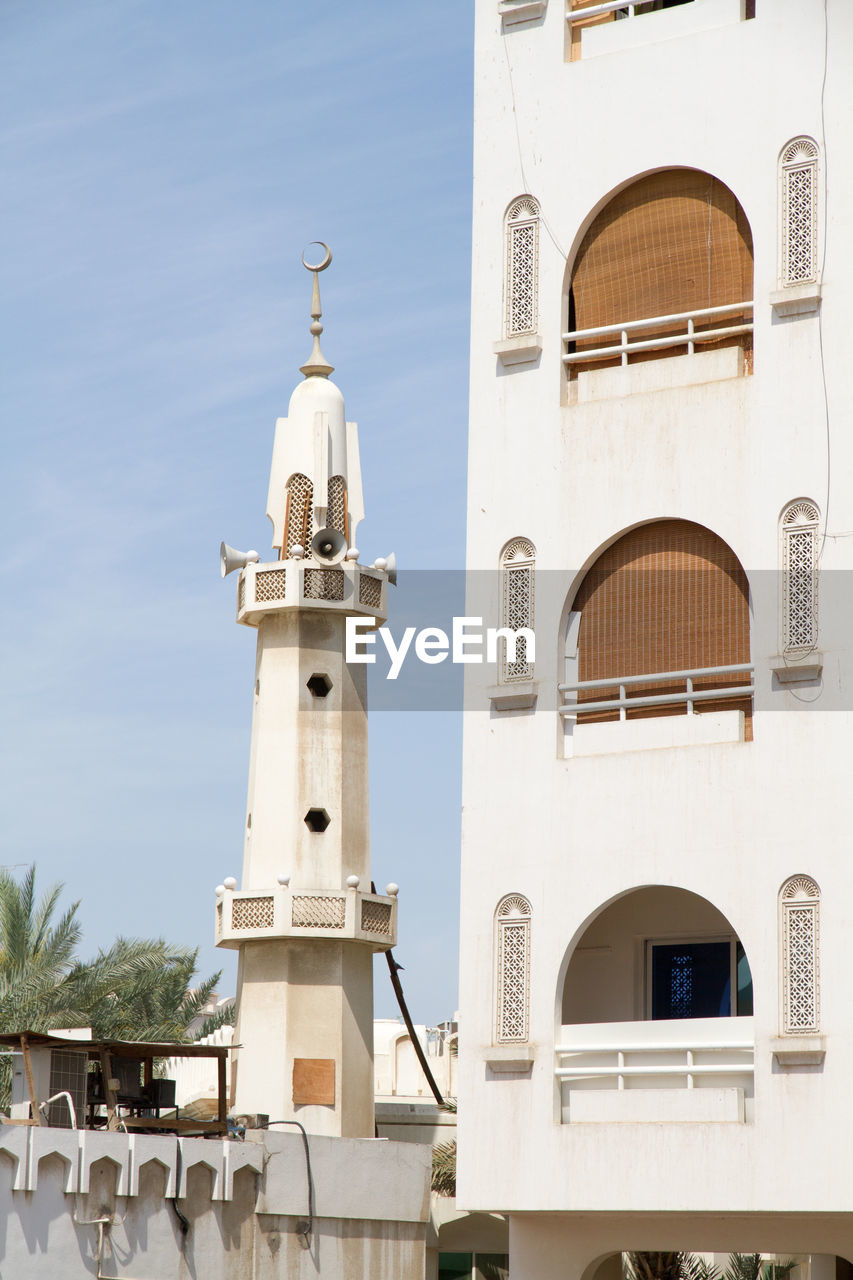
x=392, y=889
x=284, y=881
x=219, y=890
x=297, y=551
x=352, y=882
x=229, y=882
x=352, y=553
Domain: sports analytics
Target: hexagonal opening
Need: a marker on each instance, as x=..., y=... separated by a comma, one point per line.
x=317, y=819
x=320, y=685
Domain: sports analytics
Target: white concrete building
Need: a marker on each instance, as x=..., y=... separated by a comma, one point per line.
x=656, y=1023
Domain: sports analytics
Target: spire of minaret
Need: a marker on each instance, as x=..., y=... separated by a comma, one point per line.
x=316, y=365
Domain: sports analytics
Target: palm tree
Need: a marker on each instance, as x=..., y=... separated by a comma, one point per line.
x=687, y=1266
x=444, y=1157
x=137, y=989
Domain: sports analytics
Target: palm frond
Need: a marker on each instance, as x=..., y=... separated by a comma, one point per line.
x=444, y=1168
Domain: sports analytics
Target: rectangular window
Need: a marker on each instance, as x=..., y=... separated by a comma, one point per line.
x=696, y=979
x=455, y=1266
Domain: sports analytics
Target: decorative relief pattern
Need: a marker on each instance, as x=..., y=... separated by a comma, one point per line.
x=252, y=913
x=336, y=515
x=522, y=267
x=316, y=912
x=324, y=584
x=681, y=986
x=241, y=593
x=299, y=520
x=376, y=918
x=512, y=978
x=799, y=530
x=800, y=929
x=798, y=198
x=219, y=919
x=517, y=591
x=270, y=584
x=369, y=591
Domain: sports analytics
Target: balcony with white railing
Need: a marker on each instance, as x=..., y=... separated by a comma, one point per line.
x=720, y=336
x=598, y=28
x=677, y=1070
x=696, y=706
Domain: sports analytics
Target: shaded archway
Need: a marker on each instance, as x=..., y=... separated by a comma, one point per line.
x=657, y=953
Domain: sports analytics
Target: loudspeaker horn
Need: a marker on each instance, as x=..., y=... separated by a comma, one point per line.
x=229, y=559
x=329, y=545
x=391, y=568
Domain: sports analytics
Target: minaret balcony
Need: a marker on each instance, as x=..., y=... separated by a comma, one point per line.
x=283, y=912
x=348, y=588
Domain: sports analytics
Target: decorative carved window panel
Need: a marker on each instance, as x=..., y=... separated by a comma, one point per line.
x=800, y=930
x=252, y=913
x=799, y=530
x=324, y=584
x=316, y=912
x=798, y=212
x=376, y=918
x=518, y=573
x=512, y=978
x=336, y=515
x=299, y=517
x=270, y=584
x=369, y=591
x=522, y=267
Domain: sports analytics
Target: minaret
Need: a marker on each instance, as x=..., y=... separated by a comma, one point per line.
x=304, y=921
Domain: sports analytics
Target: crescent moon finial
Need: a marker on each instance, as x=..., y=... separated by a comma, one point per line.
x=317, y=365
x=320, y=266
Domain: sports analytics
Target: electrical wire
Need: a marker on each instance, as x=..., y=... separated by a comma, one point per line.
x=825, y=229
x=303, y=1228
x=542, y=217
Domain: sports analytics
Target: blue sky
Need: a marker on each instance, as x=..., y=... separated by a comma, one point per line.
x=166, y=163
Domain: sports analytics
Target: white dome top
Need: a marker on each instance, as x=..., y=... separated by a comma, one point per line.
x=316, y=395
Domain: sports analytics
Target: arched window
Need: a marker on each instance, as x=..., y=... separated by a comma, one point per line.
x=799, y=927
x=336, y=515
x=668, y=597
x=518, y=570
x=521, y=287
x=512, y=965
x=798, y=212
x=798, y=553
x=675, y=245
x=299, y=516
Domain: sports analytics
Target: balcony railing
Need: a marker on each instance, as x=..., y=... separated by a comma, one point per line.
x=680, y=1053
x=622, y=9
x=739, y=684
x=684, y=322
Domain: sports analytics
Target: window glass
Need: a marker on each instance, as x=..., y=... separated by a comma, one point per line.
x=691, y=980
x=454, y=1266
x=744, y=984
